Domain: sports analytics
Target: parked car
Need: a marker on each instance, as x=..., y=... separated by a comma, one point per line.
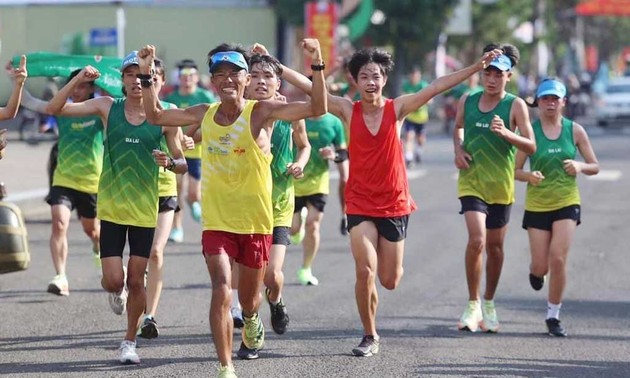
x=613, y=106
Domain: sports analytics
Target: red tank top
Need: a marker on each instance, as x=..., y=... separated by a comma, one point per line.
x=377, y=182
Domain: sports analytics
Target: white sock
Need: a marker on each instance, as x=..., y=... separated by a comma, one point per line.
x=235, y=302
x=553, y=310
x=409, y=155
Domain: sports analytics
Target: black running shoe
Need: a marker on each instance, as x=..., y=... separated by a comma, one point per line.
x=149, y=328
x=343, y=227
x=554, y=328
x=244, y=353
x=237, y=317
x=279, y=315
x=536, y=282
x=369, y=346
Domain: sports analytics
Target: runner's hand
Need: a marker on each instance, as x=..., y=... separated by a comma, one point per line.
x=311, y=48
x=188, y=143
x=88, y=74
x=161, y=158
x=535, y=178
x=497, y=126
x=258, y=48
x=327, y=153
x=572, y=167
x=489, y=57
x=146, y=56
x=20, y=73
x=462, y=158
x=296, y=170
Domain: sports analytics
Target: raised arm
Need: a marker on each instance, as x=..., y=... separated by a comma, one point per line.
x=20, y=74
x=408, y=103
x=156, y=115
x=59, y=105
x=462, y=158
x=339, y=106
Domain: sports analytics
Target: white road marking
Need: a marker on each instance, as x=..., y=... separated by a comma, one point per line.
x=26, y=195
x=606, y=175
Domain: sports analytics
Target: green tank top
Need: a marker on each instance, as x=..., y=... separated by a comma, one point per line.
x=128, y=190
x=558, y=189
x=490, y=176
x=282, y=194
x=80, y=158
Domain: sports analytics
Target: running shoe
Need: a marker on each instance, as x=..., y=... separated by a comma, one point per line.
x=490, y=321
x=369, y=346
x=59, y=285
x=537, y=283
x=237, y=317
x=227, y=371
x=253, y=332
x=306, y=277
x=279, y=315
x=244, y=353
x=128, y=353
x=176, y=235
x=149, y=328
x=195, y=211
x=554, y=328
x=296, y=239
x=343, y=227
x=470, y=319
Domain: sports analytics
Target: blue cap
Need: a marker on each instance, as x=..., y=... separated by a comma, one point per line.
x=551, y=87
x=232, y=57
x=502, y=62
x=130, y=60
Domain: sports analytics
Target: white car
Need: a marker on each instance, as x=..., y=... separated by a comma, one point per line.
x=613, y=106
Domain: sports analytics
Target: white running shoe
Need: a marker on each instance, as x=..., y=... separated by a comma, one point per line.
x=128, y=353
x=471, y=317
x=59, y=285
x=490, y=322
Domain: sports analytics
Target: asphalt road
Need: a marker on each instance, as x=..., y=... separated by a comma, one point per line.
x=42, y=335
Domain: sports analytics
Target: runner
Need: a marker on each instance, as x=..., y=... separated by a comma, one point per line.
x=74, y=180
x=20, y=74
x=377, y=194
x=552, y=203
x=168, y=207
x=490, y=125
x=236, y=183
x=188, y=94
x=414, y=135
x=266, y=72
x=327, y=139
x=128, y=192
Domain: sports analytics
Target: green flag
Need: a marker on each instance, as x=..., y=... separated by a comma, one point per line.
x=52, y=64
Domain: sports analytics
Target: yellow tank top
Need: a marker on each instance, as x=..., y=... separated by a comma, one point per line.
x=236, y=177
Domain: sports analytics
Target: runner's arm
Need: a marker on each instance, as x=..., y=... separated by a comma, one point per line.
x=11, y=109
x=173, y=137
x=303, y=149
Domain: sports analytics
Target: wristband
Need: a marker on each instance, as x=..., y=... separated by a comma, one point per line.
x=171, y=164
x=318, y=67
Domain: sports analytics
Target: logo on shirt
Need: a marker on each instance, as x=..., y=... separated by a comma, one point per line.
x=482, y=124
x=226, y=139
x=239, y=151
x=132, y=140
x=555, y=150
x=82, y=125
x=217, y=150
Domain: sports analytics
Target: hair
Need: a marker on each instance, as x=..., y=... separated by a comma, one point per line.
x=225, y=47
x=370, y=55
x=266, y=61
x=532, y=101
x=508, y=50
x=186, y=63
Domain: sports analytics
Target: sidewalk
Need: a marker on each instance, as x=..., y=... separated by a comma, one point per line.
x=23, y=172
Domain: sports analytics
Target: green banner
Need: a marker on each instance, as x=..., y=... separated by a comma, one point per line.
x=48, y=64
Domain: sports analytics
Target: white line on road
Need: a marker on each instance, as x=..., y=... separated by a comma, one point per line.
x=606, y=175
x=27, y=195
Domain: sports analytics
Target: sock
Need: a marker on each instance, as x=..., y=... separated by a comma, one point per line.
x=235, y=302
x=409, y=156
x=275, y=302
x=553, y=310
